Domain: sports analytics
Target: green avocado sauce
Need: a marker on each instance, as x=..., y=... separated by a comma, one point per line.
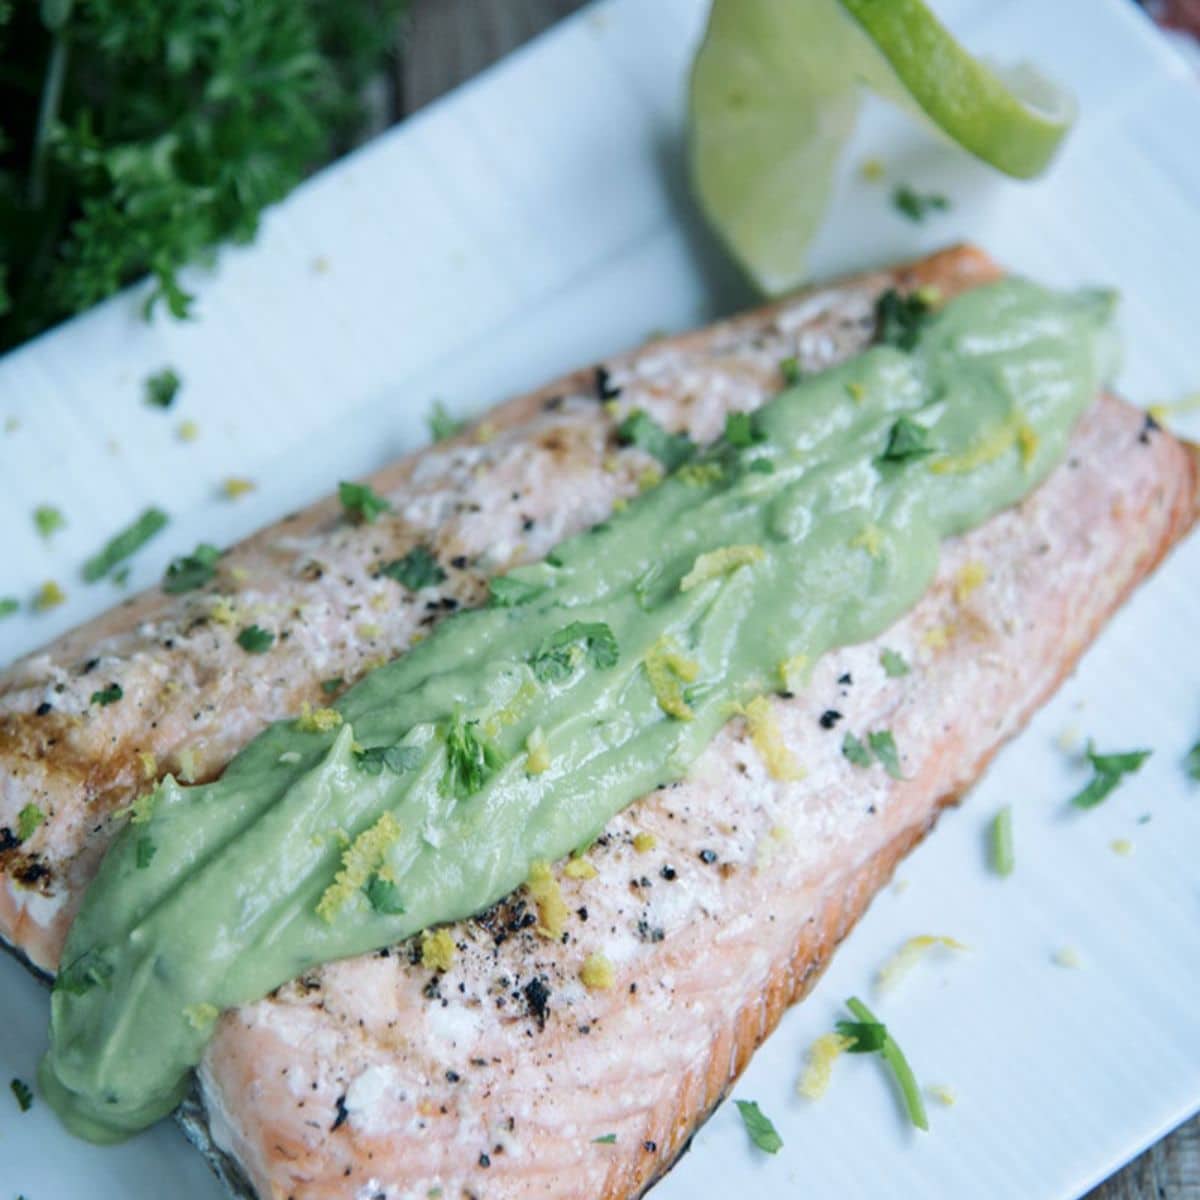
x=516, y=731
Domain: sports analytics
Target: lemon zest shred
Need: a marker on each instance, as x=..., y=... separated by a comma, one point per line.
x=908, y=956
x=869, y=538
x=142, y=809
x=768, y=741
x=1068, y=956
x=643, y=842
x=1121, y=846
x=620, y=504
x=968, y=580
x=537, y=757
x=201, y=1016
x=484, y=433
x=235, y=487
x=857, y=392
x=48, y=596
x=791, y=671
x=187, y=764
x=666, y=668
x=986, y=449
x=513, y=711
x=222, y=611
x=437, y=950
x=822, y=1054
x=188, y=431
x=361, y=858
x=597, y=973
x=649, y=478
x=317, y=720
x=699, y=474
x=720, y=562
x=938, y=637
x=544, y=891
x=1027, y=443
x=943, y=1094
x=149, y=764
x=579, y=868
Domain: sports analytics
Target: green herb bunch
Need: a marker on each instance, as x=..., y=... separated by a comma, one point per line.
x=137, y=134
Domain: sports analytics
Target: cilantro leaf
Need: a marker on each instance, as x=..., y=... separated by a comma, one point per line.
x=383, y=896
x=906, y=440
x=191, y=571
x=606, y=1139
x=91, y=969
x=855, y=751
x=9, y=605
x=867, y=1036
x=124, y=544
x=396, y=759
x=1191, y=763
x=417, y=569
x=742, y=430
x=108, y=695
x=332, y=686
x=899, y=319
x=470, y=760
x=789, y=368
x=28, y=820
x=554, y=659
x=507, y=591
x=1108, y=771
x=361, y=502
x=893, y=663
x=441, y=424
x=642, y=430
x=254, y=639
x=145, y=852
x=48, y=520
x=162, y=388
x=916, y=206
x=23, y=1093
x=884, y=747
x=762, y=1133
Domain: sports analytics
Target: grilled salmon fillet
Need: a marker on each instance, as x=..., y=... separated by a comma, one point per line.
x=714, y=903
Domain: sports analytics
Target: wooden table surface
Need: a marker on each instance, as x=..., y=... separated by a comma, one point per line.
x=448, y=41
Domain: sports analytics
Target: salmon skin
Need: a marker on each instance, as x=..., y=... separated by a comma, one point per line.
x=713, y=903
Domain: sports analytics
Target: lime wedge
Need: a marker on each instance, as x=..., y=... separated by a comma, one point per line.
x=774, y=95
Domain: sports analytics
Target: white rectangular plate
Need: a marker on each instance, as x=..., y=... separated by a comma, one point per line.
x=538, y=219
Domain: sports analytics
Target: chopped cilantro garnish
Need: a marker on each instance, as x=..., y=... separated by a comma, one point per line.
x=895, y=1059
x=893, y=664
x=741, y=430
x=884, y=747
x=761, y=466
x=907, y=440
x=855, y=751
x=470, y=760
x=9, y=605
x=898, y=319
x=191, y=571
x=1191, y=763
x=508, y=591
x=255, y=640
x=789, y=368
x=23, y=1093
x=108, y=695
x=397, y=759
x=89, y=970
x=145, y=852
x=642, y=430
x=1108, y=771
x=1003, y=859
x=48, y=520
x=606, y=1139
x=162, y=388
x=124, y=544
x=28, y=820
x=330, y=686
x=441, y=424
x=866, y=1036
x=555, y=658
x=417, y=569
x=384, y=896
x=361, y=501
x=762, y=1133
x=916, y=206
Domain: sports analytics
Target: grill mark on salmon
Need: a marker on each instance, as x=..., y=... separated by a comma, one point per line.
x=336, y=1085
